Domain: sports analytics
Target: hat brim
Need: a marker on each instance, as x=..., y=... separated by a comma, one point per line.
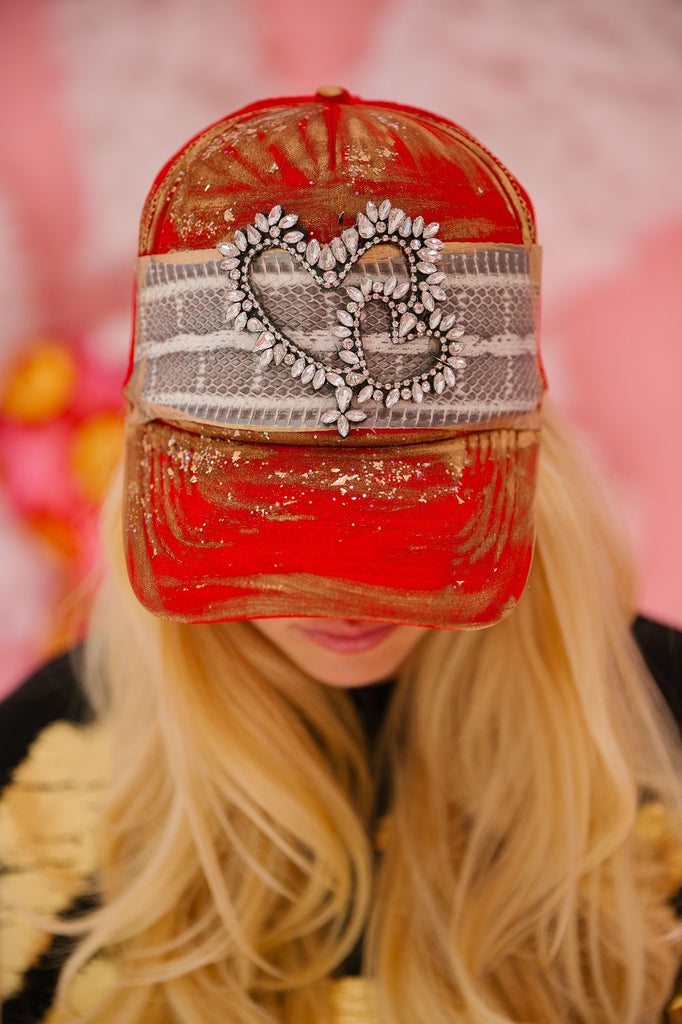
x=433, y=534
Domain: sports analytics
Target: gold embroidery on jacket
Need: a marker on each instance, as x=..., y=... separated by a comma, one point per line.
x=48, y=830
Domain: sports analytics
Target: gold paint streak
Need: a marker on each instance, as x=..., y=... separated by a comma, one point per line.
x=494, y=520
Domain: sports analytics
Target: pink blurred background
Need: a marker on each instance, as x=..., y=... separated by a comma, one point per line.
x=582, y=100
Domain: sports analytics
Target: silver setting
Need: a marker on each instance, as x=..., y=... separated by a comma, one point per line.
x=412, y=305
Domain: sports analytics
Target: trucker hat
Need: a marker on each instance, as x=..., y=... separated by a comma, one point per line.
x=334, y=394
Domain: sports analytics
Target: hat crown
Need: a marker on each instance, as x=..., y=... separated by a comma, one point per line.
x=325, y=158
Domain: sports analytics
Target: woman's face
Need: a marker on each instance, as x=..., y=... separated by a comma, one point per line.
x=342, y=652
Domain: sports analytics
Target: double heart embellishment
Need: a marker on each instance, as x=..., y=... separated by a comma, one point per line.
x=412, y=305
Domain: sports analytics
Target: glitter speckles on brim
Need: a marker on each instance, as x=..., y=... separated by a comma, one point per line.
x=437, y=534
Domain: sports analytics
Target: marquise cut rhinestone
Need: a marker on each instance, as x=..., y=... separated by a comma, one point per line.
x=410, y=303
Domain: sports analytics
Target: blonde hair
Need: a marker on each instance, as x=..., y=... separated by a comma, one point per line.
x=237, y=868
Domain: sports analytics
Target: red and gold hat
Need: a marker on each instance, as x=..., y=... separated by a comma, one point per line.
x=335, y=386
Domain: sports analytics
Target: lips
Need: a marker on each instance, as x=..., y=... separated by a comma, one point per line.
x=348, y=637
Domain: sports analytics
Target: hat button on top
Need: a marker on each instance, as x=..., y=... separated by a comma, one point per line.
x=333, y=93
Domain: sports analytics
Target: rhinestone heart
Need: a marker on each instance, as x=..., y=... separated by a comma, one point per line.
x=412, y=306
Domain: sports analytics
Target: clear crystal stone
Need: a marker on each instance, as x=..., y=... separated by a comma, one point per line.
x=449, y=375
x=232, y=311
x=293, y=236
x=438, y=293
x=227, y=249
x=265, y=357
x=384, y=209
x=356, y=415
x=348, y=343
x=298, y=367
x=372, y=211
x=390, y=284
x=229, y=264
x=289, y=359
x=455, y=347
x=417, y=226
x=395, y=219
x=274, y=231
x=436, y=278
x=327, y=260
x=344, y=317
x=335, y=379
x=288, y=221
x=235, y=296
x=279, y=351
x=341, y=332
x=435, y=243
x=434, y=319
x=262, y=223
x=300, y=247
x=349, y=357
x=405, y=228
x=448, y=321
x=240, y=240
x=377, y=287
x=355, y=377
x=330, y=278
x=407, y=322
x=240, y=322
x=313, y=251
x=428, y=302
x=331, y=417
x=439, y=383
x=378, y=395
x=426, y=268
x=426, y=387
x=406, y=394
x=431, y=229
x=275, y=214
x=365, y=394
x=254, y=325
x=459, y=364
x=355, y=294
x=366, y=285
x=339, y=250
x=266, y=340
x=392, y=397
x=252, y=235
x=308, y=374
x=351, y=240
x=343, y=426
x=457, y=332
x=365, y=226
x=417, y=392
x=402, y=289
x=319, y=378
x=343, y=397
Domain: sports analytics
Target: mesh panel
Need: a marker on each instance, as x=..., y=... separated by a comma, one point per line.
x=190, y=359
